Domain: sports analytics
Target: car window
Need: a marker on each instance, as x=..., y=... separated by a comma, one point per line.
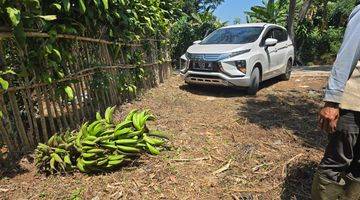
x=269, y=34
x=280, y=34
x=240, y=35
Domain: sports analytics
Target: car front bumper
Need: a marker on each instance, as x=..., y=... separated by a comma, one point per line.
x=214, y=78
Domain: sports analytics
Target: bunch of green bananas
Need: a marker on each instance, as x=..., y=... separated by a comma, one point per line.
x=103, y=145
x=56, y=155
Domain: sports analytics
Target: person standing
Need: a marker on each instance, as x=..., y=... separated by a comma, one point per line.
x=338, y=174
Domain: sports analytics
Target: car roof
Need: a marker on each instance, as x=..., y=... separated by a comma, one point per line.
x=252, y=25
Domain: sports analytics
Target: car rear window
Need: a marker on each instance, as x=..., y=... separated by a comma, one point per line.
x=240, y=35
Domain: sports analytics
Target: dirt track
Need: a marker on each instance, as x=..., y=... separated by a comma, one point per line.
x=225, y=145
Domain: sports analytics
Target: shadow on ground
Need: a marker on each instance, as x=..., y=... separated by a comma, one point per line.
x=10, y=168
x=294, y=111
x=225, y=92
x=297, y=185
x=323, y=68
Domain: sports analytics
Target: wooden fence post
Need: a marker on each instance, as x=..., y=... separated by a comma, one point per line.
x=18, y=122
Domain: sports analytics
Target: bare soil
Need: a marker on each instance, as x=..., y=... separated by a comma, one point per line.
x=225, y=145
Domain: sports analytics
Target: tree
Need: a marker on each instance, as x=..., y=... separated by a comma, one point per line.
x=304, y=9
x=269, y=12
x=198, y=6
x=237, y=20
x=290, y=19
x=197, y=21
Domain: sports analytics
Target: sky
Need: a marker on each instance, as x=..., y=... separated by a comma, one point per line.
x=231, y=9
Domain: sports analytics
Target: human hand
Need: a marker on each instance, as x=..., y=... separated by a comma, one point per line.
x=328, y=117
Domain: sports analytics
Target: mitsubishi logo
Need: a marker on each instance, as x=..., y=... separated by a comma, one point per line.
x=202, y=65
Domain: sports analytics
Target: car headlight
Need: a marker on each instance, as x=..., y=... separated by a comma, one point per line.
x=236, y=53
x=184, y=65
x=188, y=55
x=241, y=65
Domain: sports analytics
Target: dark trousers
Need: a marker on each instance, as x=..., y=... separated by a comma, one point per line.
x=342, y=155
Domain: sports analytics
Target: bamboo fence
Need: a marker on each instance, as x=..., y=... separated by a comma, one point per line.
x=34, y=111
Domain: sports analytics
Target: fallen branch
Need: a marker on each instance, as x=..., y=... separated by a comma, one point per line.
x=222, y=169
x=191, y=159
x=235, y=197
x=283, y=172
x=277, y=166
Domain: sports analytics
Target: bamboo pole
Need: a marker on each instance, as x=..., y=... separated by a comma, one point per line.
x=98, y=107
x=29, y=114
x=7, y=139
x=7, y=130
x=60, y=100
x=111, y=79
x=84, y=72
x=77, y=109
x=68, y=112
x=78, y=104
x=33, y=114
x=18, y=122
x=49, y=114
x=64, y=36
x=87, y=97
x=42, y=114
x=54, y=103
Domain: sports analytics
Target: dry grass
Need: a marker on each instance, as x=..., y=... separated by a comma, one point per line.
x=225, y=145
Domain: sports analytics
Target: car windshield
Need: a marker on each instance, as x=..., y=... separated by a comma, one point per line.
x=241, y=35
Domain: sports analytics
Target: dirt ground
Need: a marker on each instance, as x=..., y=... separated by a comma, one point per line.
x=225, y=145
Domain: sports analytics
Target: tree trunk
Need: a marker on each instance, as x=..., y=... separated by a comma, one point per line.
x=325, y=20
x=304, y=10
x=290, y=20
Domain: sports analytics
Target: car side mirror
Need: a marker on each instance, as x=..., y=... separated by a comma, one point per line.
x=197, y=42
x=271, y=42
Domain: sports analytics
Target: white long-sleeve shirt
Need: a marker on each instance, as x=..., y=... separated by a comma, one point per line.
x=346, y=60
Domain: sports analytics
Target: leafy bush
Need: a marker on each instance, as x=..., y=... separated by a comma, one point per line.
x=114, y=20
x=189, y=29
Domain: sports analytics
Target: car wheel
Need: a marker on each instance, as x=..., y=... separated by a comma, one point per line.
x=254, y=82
x=287, y=75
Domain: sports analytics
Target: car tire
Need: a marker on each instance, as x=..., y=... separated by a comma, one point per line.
x=287, y=75
x=254, y=82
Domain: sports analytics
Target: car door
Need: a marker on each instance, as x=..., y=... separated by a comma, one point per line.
x=271, y=53
x=281, y=49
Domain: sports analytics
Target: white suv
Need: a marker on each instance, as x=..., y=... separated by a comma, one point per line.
x=239, y=55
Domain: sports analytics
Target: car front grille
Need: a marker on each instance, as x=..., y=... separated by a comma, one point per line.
x=204, y=57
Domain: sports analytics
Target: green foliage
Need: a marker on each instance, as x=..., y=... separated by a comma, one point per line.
x=114, y=20
x=318, y=36
x=269, y=13
x=237, y=20
x=3, y=83
x=70, y=93
x=14, y=15
x=198, y=6
x=190, y=28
